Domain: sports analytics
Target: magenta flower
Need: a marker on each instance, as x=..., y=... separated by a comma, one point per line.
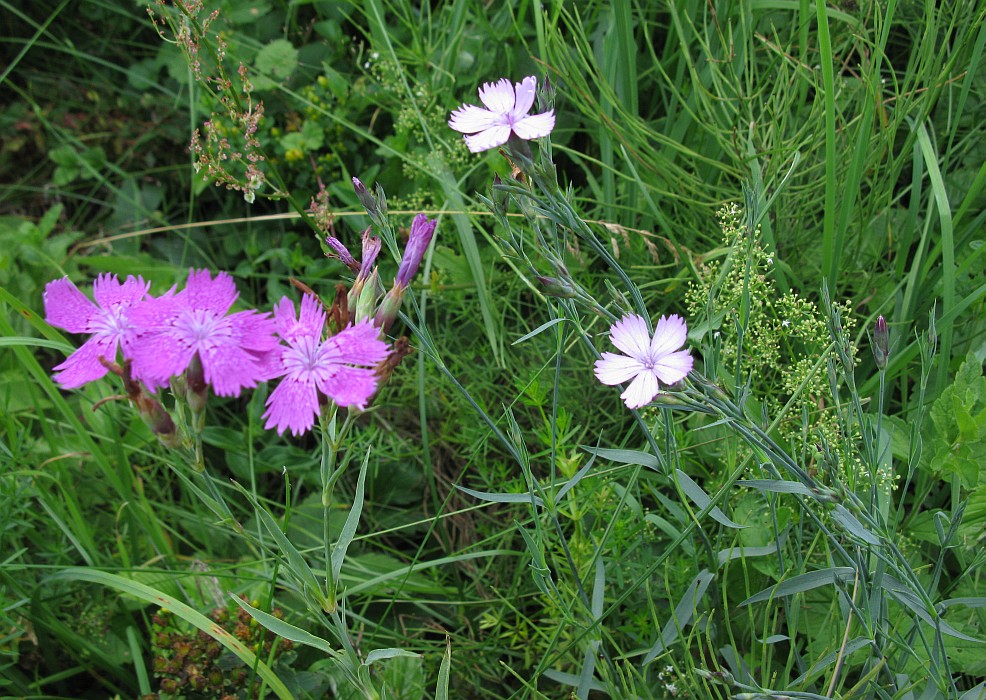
x=422, y=231
x=650, y=359
x=235, y=350
x=507, y=113
x=312, y=366
x=108, y=321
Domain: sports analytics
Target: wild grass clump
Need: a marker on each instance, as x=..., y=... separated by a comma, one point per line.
x=669, y=385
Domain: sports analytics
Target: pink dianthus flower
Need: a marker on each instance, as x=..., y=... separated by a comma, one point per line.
x=235, y=350
x=311, y=366
x=108, y=320
x=507, y=113
x=648, y=360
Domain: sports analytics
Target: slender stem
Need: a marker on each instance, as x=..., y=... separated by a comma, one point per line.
x=327, y=467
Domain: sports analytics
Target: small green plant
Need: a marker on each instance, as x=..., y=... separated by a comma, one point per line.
x=191, y=664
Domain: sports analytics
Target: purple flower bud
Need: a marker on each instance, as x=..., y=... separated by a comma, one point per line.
x=422, y=230
x=347, y=259
x=368, y=201
x=371, y=247
x=881, y=343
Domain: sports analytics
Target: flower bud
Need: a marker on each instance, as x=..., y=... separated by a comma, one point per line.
x=881, y=343
x=344, y=255
x=381, y=200
x=422, y=230
x=364, y=301
x=371, y=248
x=387, y=311
x=546, y=95
x=554, y=287
x=401, y=349
x=150, y=410
x=197, y=390
x=364, y=196
x=499, y=198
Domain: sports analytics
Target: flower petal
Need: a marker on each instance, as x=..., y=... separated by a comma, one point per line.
x=157, y=357
x=203, y=292
x=292, y=405
x=229, y=368
x=491, y=138
x=107, y=290
x=498, y=96
x=348, y=386
x=616, y=369
x=524, y=99
x=673, y=367
x=470, y=119
x=630, y=335
x=357, y=345
x=641, y=390
x=670, y=334
x=83, y=365
x=535, y=126
x=68, y=308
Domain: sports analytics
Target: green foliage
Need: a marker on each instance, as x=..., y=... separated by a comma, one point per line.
x=956, y=446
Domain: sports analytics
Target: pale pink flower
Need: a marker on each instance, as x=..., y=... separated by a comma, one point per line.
x=107, y=321
x=312, y=366
x=647, y=361
x=235, y=350
x=507, y=112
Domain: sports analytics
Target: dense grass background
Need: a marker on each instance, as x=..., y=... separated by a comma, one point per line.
x=849, y=136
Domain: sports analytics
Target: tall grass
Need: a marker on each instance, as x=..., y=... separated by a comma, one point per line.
x=794, y=520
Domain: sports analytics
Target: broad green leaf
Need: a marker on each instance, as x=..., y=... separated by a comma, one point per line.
x=278, y=59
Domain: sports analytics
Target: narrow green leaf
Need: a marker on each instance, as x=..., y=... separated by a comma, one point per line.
x=384, y=654
x=502, y=497
x=850, y=523
x=625, y=456
x=540, y=329
x=701, y=499
x=296, y=563
x=802, y=583
x=352, y=522
x=289, y=631
x=444, y=672
x=684, y=611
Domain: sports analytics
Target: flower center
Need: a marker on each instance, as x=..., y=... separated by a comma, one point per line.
x=202, y=329
x=304, y=358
